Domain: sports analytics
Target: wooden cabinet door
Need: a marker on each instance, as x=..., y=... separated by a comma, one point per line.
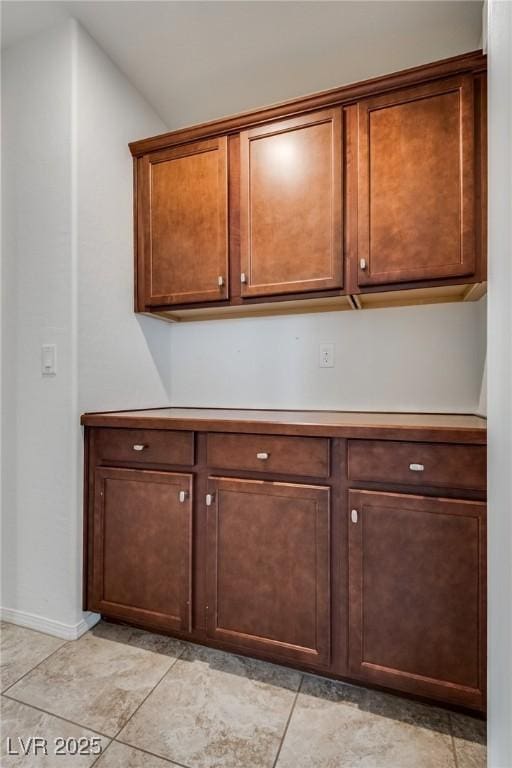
x=291, y=205
x=183, y=224
x=417, y=594
x=416, y=184
x=269, y=566
x=142, y=547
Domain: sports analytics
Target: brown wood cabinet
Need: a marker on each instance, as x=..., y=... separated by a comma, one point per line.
x=415, y=184
x=291, y=205
x=182, y=224
x=145, y=446
x=435, y=465
x=417, y=601
x=142, y=547
x=300, y=538
x=274, y=454
x=269, y=567
x=320, y=203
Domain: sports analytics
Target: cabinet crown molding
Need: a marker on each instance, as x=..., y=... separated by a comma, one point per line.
x=473, y=61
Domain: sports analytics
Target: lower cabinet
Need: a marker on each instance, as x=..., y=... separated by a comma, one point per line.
x=141, y=564
x=269, y=568
x=377, y=587
x=417, y=594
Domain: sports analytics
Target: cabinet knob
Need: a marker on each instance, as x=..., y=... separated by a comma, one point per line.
x=220, y=281
x=243, y=277
x=183, y=496
x=416, y=467
x=209, y=499
x=139, y=447
x=354, y=516
x=263, y=455
x=362, y=263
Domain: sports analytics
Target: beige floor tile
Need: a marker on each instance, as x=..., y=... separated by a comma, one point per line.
x=95, y=681
x=339, y=726
x=21, y=649
x=22, y=721
x=121, y=756
x=138, y=638
x=216, y=709
x=469, y=736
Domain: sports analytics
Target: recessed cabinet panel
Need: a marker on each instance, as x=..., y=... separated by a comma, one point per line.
x=416, y=592
x=269, y=566
x=141, y=547
x=144, y=446
x=184, y=214
x=436, y=465
x=281, y=454
x=291, y=205
x=415, y=183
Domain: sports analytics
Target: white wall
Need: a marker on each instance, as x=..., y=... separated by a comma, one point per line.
x=124, y=359
x=427, y=358
x=67, y=117
x=39, y=514
x=500, y=384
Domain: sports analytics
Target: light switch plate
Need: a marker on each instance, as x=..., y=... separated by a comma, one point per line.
x=49, y=360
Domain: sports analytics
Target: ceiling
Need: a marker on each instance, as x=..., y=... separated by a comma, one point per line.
x=195, y=61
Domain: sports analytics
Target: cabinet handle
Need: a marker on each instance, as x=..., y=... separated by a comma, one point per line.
x=138, y=447
x=416, y=467
x=220, y=281
x=263, y=456
x=362, y=264
x=183, y=496
x=209, y=499
x=354, y=516
x=243, y=277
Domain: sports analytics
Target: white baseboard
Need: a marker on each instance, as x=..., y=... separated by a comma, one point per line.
x=50, y=626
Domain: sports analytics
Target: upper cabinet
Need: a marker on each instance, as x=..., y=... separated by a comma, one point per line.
x=183, y=224
x=291, y=214
x=415, y=184
x=367, y=195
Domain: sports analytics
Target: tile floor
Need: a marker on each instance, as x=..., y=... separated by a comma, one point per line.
x=153, y=702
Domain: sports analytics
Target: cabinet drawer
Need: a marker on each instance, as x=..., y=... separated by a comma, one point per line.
x=145, y=446
x=439, y=465
x=269, y=453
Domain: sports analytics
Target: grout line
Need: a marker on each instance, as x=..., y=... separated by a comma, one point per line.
x=60, y=647
x=59, y=717
x=98, y=757
x=454, y=749
x=81, y=725
x=147, y=696
x=111, y=738
x=137, y=749
x=147, y=752
x=274, y=764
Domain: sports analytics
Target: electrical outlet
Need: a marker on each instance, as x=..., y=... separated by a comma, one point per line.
x=326, y=355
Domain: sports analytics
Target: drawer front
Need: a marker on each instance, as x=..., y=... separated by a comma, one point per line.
x=269, y=453
x=145, y=446
x=439, y=465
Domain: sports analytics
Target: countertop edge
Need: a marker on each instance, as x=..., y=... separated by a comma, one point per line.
x=413, y=432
